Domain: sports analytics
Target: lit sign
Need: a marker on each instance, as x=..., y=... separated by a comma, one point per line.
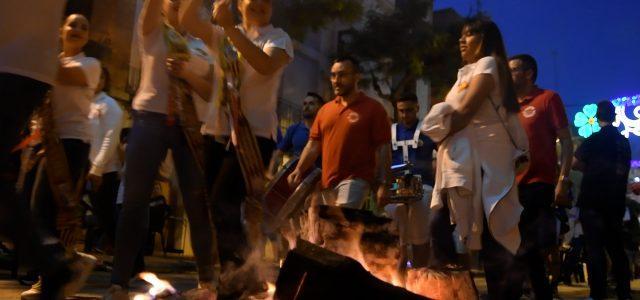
x=587, y=123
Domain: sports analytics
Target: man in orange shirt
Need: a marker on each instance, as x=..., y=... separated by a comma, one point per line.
x=352, y=132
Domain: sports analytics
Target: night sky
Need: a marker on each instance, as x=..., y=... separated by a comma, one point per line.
x=587, y=50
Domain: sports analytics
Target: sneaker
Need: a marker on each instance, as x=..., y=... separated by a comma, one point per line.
x=116, y=292
x=81, y=265
x=34, y=292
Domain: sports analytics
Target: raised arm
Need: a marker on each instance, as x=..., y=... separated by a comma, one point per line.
x=264, y=62
x=192, y=22
x=479, y=89
x=150, y=16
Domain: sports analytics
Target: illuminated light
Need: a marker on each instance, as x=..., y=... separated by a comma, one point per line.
x=587, y=124
x=637, y=179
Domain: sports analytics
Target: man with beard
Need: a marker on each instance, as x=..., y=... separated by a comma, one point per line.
x=352, y=132
x=297, y=135
x=543, y=117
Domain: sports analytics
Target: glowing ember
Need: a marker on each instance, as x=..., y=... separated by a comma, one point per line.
x=158, y=286
x=272, y=289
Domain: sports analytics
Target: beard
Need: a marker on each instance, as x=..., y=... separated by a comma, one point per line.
x=344, y=90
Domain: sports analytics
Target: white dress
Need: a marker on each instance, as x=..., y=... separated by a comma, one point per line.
x=483, y=183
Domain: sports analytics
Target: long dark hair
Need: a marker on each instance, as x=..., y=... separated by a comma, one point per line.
x=493, y=45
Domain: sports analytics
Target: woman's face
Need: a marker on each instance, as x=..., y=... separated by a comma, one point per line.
x=470, y=44
x=256, y=11
x=75, y=31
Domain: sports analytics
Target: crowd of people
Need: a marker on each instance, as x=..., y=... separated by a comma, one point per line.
x=491, y=178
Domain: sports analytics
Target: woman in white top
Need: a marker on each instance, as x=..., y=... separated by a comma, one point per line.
x=484, y=117
x=157, y=128
x=71, y=100
x=264, y=51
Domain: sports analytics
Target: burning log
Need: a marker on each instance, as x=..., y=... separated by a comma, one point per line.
x=311, y=272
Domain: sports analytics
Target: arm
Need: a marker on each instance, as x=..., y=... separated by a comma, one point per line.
x=201, y=85
x=566, y=152
x=196, y=26
x=577, y=165
x=307, y=158
x=264, y=62
x=150, y=16
x=479, y=89
x=383, y=176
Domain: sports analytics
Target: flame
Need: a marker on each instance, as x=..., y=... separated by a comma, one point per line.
x=158, y=286
x=272, y=289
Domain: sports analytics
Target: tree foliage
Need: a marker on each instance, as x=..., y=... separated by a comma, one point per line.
x=404, y=46
x=298, y=17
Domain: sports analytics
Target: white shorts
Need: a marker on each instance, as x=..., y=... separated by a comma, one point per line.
x=412, y=224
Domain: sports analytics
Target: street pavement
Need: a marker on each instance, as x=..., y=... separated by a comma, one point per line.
x=181, y=273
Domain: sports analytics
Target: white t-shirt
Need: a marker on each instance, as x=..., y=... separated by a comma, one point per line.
x=201, y=64
x=258, y=93
x=106, y=116
x=153, y=94
x=72, y=104
x=486, y=113
x=29, y=37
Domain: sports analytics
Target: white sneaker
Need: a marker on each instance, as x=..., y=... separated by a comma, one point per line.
x=81, y=266
x=34, y=292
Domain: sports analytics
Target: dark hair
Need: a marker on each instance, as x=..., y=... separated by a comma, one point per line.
x=528, y=62
x=408, y=97
x=349, y=58
x=606, y=111
x=493, y=45
x=107, y=79
x=316, y=96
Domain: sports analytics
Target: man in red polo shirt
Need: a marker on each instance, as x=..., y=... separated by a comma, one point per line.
x=352, y=132
x=543, y=117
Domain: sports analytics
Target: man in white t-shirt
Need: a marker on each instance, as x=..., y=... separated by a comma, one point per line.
x=103, y=176
x=28, y=55
x=264, y=51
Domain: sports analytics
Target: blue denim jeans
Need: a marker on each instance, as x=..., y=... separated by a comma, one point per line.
x=149, y=140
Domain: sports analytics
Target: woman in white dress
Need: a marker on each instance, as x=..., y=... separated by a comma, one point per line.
x=475, y=190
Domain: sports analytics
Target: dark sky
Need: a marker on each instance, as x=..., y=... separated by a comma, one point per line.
x=596, y=43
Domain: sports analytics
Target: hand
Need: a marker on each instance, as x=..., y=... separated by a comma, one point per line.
x=222, y=14
x=95, y=180
x=382, y=196
x=176, y=67
x=294, y=178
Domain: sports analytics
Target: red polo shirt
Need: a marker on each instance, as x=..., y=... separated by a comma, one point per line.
x=350, y=136
x=542, y=114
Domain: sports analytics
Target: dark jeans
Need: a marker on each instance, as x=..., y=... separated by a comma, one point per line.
x=149, y=140
x=227, y=195
x=104, y=205
x=498, y=261
x=20, y=96
x=538, y=230
x=603, y=232
x=43, y=203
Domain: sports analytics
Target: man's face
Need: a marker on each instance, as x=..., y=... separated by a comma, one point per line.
x=521, y=77
x=344, y=78
x=407, y=112
x=310, y=107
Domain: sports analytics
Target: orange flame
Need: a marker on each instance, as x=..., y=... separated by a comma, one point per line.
x=158, y=286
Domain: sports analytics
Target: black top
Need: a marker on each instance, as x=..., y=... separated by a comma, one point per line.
x=607, y=158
